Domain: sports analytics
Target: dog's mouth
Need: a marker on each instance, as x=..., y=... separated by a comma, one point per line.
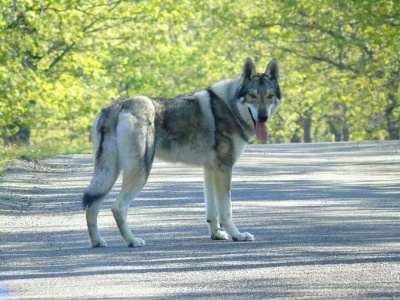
x=260, y=128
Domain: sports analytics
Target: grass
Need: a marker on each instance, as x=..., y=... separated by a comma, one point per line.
x=40, y=150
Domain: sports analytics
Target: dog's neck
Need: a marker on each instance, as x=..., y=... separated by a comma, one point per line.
x=226, y=91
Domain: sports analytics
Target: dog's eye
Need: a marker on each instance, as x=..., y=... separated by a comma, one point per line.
x=252, y=95
x=270, y=96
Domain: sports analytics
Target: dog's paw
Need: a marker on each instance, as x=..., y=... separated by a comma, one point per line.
x=243, y=237
x=220, y=235
x=136, y=242
x=98, y=243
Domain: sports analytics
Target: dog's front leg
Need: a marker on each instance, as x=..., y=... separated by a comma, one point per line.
x=222, y=189
x=211, y=207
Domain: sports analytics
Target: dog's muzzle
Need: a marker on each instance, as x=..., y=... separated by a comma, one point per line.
x=260, y=126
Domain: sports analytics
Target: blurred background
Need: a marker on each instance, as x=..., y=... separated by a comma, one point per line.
x=61, y=61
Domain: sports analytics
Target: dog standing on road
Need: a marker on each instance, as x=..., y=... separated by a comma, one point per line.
x=209, y=128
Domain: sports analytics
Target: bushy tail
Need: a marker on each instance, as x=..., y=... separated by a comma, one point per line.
x=106, y=168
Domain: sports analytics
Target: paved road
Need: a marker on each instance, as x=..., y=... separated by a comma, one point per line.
x=326, y=218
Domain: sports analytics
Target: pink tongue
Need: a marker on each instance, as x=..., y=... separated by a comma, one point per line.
x=262, y=131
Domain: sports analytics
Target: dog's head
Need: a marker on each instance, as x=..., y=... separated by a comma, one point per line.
x=260, y=94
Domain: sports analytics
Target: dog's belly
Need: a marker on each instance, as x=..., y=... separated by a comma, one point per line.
x=192, y=153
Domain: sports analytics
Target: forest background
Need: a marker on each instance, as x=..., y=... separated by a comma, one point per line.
x=61, y=61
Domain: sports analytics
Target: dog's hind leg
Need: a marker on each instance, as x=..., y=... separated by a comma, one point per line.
x=133, y=182
x=222, y=187
x=94, y=203
x=106, y=172
x=135, y=139
x=211, y=207
x=91, y=219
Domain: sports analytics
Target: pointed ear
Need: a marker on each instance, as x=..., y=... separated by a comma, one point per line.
x=249, y=69
x=272, y=70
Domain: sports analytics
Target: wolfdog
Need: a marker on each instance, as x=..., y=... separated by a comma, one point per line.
x=209, y=128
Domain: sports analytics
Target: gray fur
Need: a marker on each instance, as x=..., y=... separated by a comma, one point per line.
x=209, y=128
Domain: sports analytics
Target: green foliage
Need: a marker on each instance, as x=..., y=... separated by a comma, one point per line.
x=62, y=60
x=341, y=59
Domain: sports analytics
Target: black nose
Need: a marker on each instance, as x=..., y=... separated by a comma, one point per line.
x=262, y=117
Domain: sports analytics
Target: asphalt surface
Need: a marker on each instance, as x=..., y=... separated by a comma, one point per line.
x=326, y=221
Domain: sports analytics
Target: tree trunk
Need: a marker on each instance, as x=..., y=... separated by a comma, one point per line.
x=307, y=129
x=392, y=124
x=346, y=133
x=336, y=130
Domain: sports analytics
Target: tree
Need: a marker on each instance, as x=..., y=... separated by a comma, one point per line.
x=62, y=60
x=334, y=44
